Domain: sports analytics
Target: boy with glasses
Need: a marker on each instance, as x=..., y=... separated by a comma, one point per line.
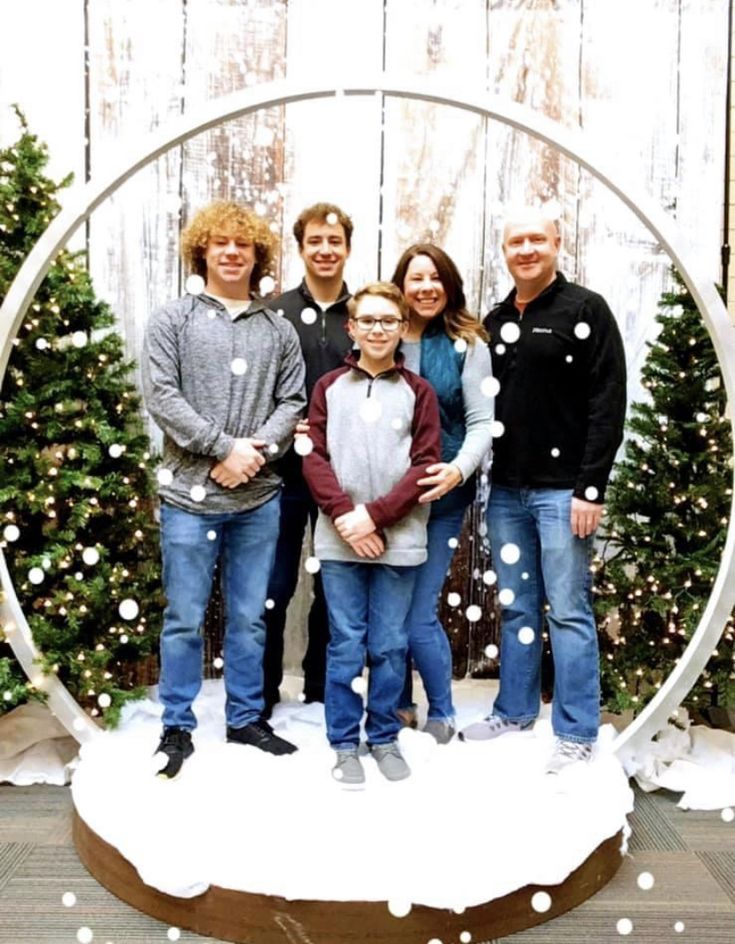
x=374, y=427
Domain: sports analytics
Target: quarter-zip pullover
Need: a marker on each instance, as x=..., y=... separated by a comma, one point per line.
x=561, y=369
x=323, y=334
x=373, y=438
x=209, y=379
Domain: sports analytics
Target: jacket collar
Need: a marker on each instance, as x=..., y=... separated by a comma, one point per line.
x=344, y=295
x=256, y=303
x=351, y=359
x=550, y=289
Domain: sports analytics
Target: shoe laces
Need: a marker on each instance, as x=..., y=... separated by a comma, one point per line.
x=574, y=750
x=384, y=750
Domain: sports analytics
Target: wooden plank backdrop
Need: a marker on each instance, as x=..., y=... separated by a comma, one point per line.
x=646, y=78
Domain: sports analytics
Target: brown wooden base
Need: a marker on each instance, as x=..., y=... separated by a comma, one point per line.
x=263, y=919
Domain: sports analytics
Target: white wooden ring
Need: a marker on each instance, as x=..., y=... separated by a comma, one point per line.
x=571, y=142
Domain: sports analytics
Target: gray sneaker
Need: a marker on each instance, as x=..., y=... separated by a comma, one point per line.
x=492, y=727
x=441, y=729
x=348, y=769
x=390, y=761
x=567, y=753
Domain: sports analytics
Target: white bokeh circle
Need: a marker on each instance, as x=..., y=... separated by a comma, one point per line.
x=571, y=142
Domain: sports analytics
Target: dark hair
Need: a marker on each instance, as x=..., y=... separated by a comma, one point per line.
x=320, y=212
x=458, y=322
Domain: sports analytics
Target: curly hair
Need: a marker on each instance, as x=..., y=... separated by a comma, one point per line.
x=320, y=212
x=385, y=290
x=458, y=322
x=231, y=219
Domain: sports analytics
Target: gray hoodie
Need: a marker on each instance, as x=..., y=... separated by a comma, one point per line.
x=208, y=380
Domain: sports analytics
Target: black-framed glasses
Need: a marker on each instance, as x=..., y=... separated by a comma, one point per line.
x=366, y=323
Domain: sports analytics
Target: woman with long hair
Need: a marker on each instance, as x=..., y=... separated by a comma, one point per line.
x=447, y=346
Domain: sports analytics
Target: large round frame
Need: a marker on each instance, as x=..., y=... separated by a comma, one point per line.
x=570, y=142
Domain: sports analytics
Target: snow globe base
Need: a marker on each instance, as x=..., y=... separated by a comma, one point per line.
x=244, y=918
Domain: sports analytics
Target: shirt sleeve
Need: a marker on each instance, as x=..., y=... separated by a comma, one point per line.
x=425, y=450
x=318, y=472
x=606, y=397
x=478, y=409
x=164, y=400
x=289, y=396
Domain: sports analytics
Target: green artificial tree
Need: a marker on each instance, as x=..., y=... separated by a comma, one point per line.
x=76, y=494
x=666, y=520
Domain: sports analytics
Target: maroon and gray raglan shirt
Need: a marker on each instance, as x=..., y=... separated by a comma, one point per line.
x=373, y=438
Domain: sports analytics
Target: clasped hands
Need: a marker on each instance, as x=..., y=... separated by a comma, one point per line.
x=357, y=529
x=241, y=465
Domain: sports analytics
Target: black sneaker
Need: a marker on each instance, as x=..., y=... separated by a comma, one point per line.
x=260, y=734
x=176, y=745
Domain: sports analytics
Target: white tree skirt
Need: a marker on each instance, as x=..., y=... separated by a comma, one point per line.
x=475, y=821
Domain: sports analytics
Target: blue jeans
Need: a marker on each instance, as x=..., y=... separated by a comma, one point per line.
x=297, y=508
x=554, y=566
x=367, y=606
x=245, y=542
x=428, y=644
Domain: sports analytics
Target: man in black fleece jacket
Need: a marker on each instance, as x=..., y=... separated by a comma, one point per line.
x=317, y=309
x=558, y=357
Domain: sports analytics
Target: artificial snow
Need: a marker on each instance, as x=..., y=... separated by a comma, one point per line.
x=694, y=760
x=35, y=747
x=475, y=821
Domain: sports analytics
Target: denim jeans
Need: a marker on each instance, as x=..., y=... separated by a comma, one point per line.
x=428, y=644
x=245, y=543
x=297, y=508
x=554, y=567
x=367, y=606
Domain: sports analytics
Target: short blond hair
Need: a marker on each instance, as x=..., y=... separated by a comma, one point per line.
x=231, y=219
x=385, y=290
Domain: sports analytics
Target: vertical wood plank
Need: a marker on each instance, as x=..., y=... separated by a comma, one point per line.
x=632, y=112
x=433, y=175
x=702, y=81
x=135, y=86
x=231, y=45
x=534, y=50
x=333, y=146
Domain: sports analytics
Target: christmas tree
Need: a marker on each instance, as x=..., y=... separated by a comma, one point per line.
x=666, y=521
x=76, y=495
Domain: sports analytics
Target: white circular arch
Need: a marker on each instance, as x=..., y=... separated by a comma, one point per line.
x=571, y=142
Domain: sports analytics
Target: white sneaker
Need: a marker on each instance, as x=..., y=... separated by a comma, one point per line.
x=492, y=727
x=567, y=753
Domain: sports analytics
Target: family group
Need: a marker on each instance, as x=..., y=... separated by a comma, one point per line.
x=366, y=416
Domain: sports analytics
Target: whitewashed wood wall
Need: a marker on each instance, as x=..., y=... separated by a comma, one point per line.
x=646, y=78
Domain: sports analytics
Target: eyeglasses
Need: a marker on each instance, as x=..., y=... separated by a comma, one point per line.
x=366, y=323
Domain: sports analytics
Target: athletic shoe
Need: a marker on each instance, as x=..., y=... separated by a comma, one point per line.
x=348, y=769
x=390, y=761
x=567, y=753
x=260, y=734
x=176, y=745
x=492, y=727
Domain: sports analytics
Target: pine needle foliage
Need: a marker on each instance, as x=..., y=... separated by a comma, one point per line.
x=666, y=521
x=76, y=494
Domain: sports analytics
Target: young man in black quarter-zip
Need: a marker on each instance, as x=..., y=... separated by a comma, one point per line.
x=317, y=309
x=558, y=356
